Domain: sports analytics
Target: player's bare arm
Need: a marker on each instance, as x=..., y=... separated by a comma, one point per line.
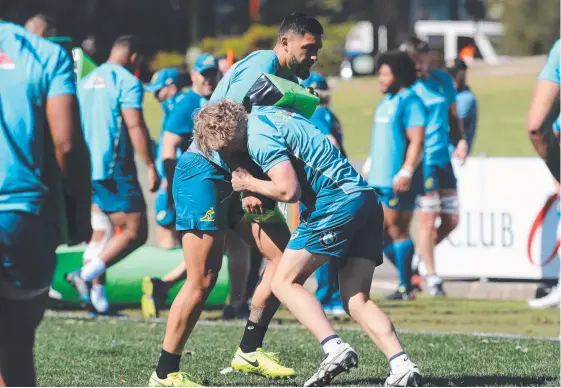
x=138, y=132
x=282, y=187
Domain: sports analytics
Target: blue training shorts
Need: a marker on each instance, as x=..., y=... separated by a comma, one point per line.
x=349, y=227
x=437, y=177
x=119, y=194
x=203, y=195
x=27, y=254
x=402, y=202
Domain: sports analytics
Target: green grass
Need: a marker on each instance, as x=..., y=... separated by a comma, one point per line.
x=109, y=352
x=124, y=353
x=503, y=105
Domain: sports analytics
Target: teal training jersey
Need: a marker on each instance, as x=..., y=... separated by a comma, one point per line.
x=394, y=114
x=103, y=94
x=32, y=70
x=276, y=135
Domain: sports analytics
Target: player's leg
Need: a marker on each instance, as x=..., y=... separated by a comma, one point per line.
x=449, y=214
x=355, y=279
x=270, y=239
x=122, y=201
x=25, y=276
x=102, y=231
x=238, y=268
x=399, y=245
x=203, y=253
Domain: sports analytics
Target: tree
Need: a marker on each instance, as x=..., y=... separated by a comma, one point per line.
x=531, y=27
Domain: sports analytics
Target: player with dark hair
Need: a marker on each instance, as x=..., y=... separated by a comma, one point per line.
x=206, y=208
x=111, y=106
x=465, y=101
x=440, y=197
x=43, y=162
x=41, y=25
x=396, y=151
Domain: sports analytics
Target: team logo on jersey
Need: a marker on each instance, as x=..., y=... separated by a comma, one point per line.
x=6, y=62
x=209, y=216
x=328, y=238
x=294, y=235
x=95, y=82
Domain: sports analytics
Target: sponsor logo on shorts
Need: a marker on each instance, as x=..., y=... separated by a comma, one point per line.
x=429, y=183
x=328, y=238
x=161, y=215
x=393, y=202
x=209, y=216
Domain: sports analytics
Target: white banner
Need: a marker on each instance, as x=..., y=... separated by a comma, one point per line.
x=508, y=222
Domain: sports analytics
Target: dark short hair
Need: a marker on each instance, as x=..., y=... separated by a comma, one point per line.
x=129, y=42
x=401, y=65
x=300, y=24
x=414, y=44
x=458, y=65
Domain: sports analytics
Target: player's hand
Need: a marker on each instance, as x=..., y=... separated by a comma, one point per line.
x=461, y=151
x=241, y=179
x=401, y=184
x=153, y=179
x=253, y=205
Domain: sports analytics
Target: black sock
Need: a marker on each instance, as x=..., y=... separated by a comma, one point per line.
x=252, y=337
x=167, y=364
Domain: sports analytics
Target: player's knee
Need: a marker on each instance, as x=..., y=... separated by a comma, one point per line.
x=278, y=285
x=397, y=232
x=355, y=304
x=429, y=204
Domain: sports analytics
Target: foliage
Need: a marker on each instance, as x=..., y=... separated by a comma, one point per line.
x=531, y=27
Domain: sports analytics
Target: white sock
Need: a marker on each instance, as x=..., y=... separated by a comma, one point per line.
x=92, y=269
x=399, y=361
x=332, y=344
x=433, y=280
x=99, y=298
x=415, y=262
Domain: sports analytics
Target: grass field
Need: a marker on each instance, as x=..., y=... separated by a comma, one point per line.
x=503, y=105
x=115, y=352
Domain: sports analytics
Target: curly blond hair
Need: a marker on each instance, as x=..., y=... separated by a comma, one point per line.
x=216, y=124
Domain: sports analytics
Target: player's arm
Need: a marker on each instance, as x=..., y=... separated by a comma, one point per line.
x=542, y=103
x=71, y=152
x=170, y=144
x=414, y=121
x=283, y=186
x=457, y=132
x=140, y=139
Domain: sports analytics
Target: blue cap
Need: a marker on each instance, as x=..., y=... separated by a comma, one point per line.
x=315, y=81
x=162, y=78
x=205, y=62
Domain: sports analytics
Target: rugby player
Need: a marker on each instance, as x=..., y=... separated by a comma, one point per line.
x=326, y=121
x=466, y=103
x=177, y=134
x=206, y=207
x=167, y=85
x=544, y=135
x=41, y=25
x=114, y=127
x=40, y=143
x=344, y=224
x=440, y=197
x=396, y=151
